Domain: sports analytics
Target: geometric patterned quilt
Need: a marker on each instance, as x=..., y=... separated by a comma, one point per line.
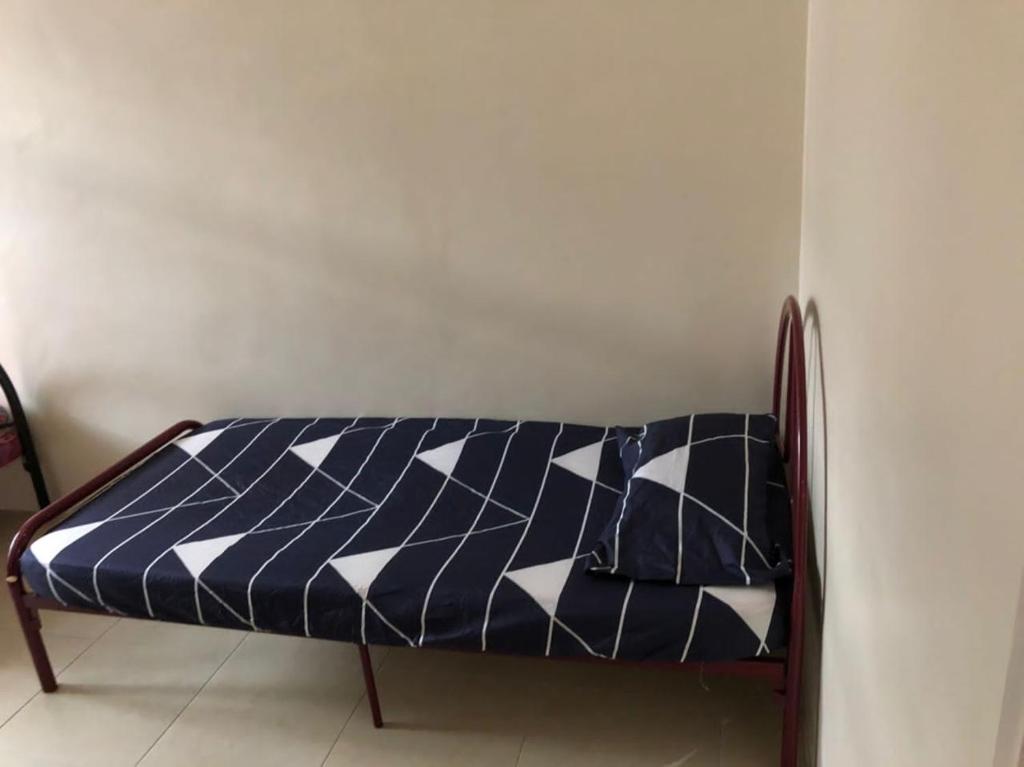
x=460, y=533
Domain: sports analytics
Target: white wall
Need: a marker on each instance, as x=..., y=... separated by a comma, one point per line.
x=580, y=210
x=913, y=250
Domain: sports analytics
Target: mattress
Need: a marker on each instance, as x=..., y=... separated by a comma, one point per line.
x=455, y=533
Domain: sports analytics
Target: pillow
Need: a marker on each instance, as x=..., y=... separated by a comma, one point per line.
x=695, y=509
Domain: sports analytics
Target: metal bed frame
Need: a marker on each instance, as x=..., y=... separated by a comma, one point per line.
x=29, y=459
x=784, y=671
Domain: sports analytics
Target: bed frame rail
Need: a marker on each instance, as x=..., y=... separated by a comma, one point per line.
x=790, y=408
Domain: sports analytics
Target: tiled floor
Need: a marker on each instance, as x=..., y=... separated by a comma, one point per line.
x=134, y=692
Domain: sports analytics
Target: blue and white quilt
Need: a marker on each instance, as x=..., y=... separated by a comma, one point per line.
x=458, y=533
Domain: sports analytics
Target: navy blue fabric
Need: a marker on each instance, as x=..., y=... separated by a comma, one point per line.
x=705, y=503
x=450, y=532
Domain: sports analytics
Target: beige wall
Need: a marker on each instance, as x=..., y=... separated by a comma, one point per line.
x=581, y=210
x=913, y=250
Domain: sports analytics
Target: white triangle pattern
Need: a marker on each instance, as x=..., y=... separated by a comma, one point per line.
x=754, y=604
x=668, y=469
x=543, y=582
x=316, y=451
x=445, y=457
x=361, y=570
x=583, y=461
x=198, y=555
x=52, y=544
x=194, y=444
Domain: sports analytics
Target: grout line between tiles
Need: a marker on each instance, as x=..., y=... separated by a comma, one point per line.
x=522, y=746
x=351, y=714
x=341, y=732
x=60, y=671
x=192, y=699
x=363, y=696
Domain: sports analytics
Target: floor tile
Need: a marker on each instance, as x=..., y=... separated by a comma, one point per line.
x=18, y=681
x=598, y=715
x=57, y=623
x=138, y=691
x=439, y=709
x=421, y=744
x=117, y=698
x=752, y=737
x=277, y=700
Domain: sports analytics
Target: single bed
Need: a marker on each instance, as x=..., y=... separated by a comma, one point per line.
x=448, y=533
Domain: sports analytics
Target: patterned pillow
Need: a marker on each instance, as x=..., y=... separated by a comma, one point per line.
x=704, y=503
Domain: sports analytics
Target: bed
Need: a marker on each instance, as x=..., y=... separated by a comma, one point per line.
x=441, y=533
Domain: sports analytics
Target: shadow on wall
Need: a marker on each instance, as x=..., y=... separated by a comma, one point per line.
x=817, y=451
x=1010, y=738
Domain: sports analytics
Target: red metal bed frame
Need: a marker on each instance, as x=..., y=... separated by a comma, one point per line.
x=784, y=671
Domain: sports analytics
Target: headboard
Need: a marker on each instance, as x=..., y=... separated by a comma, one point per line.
x=790, y=367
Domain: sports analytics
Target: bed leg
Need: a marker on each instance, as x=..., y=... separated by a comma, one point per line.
x=31, y=628
x=791, y=727
x=371, y=685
